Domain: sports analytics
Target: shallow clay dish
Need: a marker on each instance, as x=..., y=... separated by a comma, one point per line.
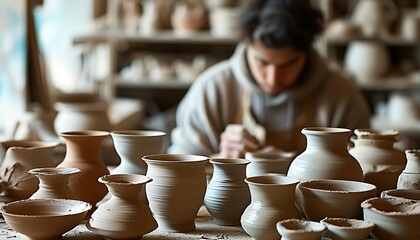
x=333, y=198
x=291, y=229
x=44, y=218
x=347, y=229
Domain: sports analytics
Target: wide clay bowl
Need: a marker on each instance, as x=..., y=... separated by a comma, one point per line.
x=347, y=229
x=394, y=218
x=323, y=198
x=298, y=229
x=44, y=218
x=402, y=193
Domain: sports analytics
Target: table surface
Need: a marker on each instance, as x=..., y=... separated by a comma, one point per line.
x=205, y=229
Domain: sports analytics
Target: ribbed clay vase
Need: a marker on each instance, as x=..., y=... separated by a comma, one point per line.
x=177, y=191
x=124, y=215
x=380, y=161
x=20, y=156
x=53, y=183
x=272, y=200
x=410, y=176
x=227, y=194
x=326, y=156
x=83, y=152
x=132, y=145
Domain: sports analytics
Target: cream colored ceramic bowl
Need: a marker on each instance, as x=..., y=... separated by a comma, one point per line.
x=347, y=229
x=394, y=218
x=44, y=218
x=300, y=229
x=333, y=198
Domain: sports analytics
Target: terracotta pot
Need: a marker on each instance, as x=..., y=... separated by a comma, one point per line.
x=227, y=194
x=20, y=156
x=298, y=229
x=326, y=156
x=268, y=206
x=347, y=228
x=410, y=176
x=124, y=215
x=83, y=152
x=53, y=183
x=268, y=160
x=393, y=218
x=177, y=191
x=188, y=18
x=380, y=161
x=132, y=145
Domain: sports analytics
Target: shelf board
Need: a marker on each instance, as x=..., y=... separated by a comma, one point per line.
x=390, y=40
x=390, y=84
x=169, y=84
x=101, y=36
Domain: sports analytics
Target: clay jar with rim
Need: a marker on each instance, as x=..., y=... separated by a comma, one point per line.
x=347, y=228
x=20, y=156
x=326, y=156
x=124, y=215
x=53, y=183
x=298, y=229
x=394, y=218
x=380, y=161
x=227, y=194
x=410, y=176
x=132, y=145
x=83, y=152
x=177, y=191
x=268, y=206
x=268, y=160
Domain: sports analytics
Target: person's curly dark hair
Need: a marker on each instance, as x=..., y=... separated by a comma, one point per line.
x=276, y=23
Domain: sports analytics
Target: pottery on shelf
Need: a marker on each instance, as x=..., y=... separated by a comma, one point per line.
x=177, y=191
x=268, y=206
x=227, y=194
x=132, y=145
x=394, y=218
x=372, y=17
x=322, y=198
x=380, y=161
x=188, y=17
x=268, y=160
x=298, y=229
x=83, y=152
x=53, y=183
x=326, y=156
x=124, y=215
x=20, y=156
x=410, y=176
x=347, y=228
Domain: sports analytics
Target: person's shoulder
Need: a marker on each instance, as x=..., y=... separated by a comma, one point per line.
x=217, y=74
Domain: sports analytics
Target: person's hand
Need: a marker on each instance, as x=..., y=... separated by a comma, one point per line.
x=235, y=141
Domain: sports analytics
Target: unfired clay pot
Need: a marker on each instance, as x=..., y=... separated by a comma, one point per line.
x=322, y=198
x=20, y=156
x=394, y=218
x=124, y=215
x=177, y=191
x=380, y=161
x=83, y=152
x=227, y=194
x=298, y=229
x=347, y=228
x=132, y=145
x=372, y=17
x=268, y=206
x=326, y=156
x=268, y=160
x=410, y=177
x=53, y=183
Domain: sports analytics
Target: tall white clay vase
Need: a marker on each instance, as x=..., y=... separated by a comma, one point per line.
x=410, y=177
x=132, y=145
x=380, y=161
x=177, y=191
x=53, y=183
x=326, y=156
x=20, y=156
x=272, y=200
x=83, y=152
x=227, y=194
x=124, y=215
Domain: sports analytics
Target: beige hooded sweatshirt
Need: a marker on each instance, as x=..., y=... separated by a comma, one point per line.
x=321, y=97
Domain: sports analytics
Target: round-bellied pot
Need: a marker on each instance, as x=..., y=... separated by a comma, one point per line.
x=410, y=176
